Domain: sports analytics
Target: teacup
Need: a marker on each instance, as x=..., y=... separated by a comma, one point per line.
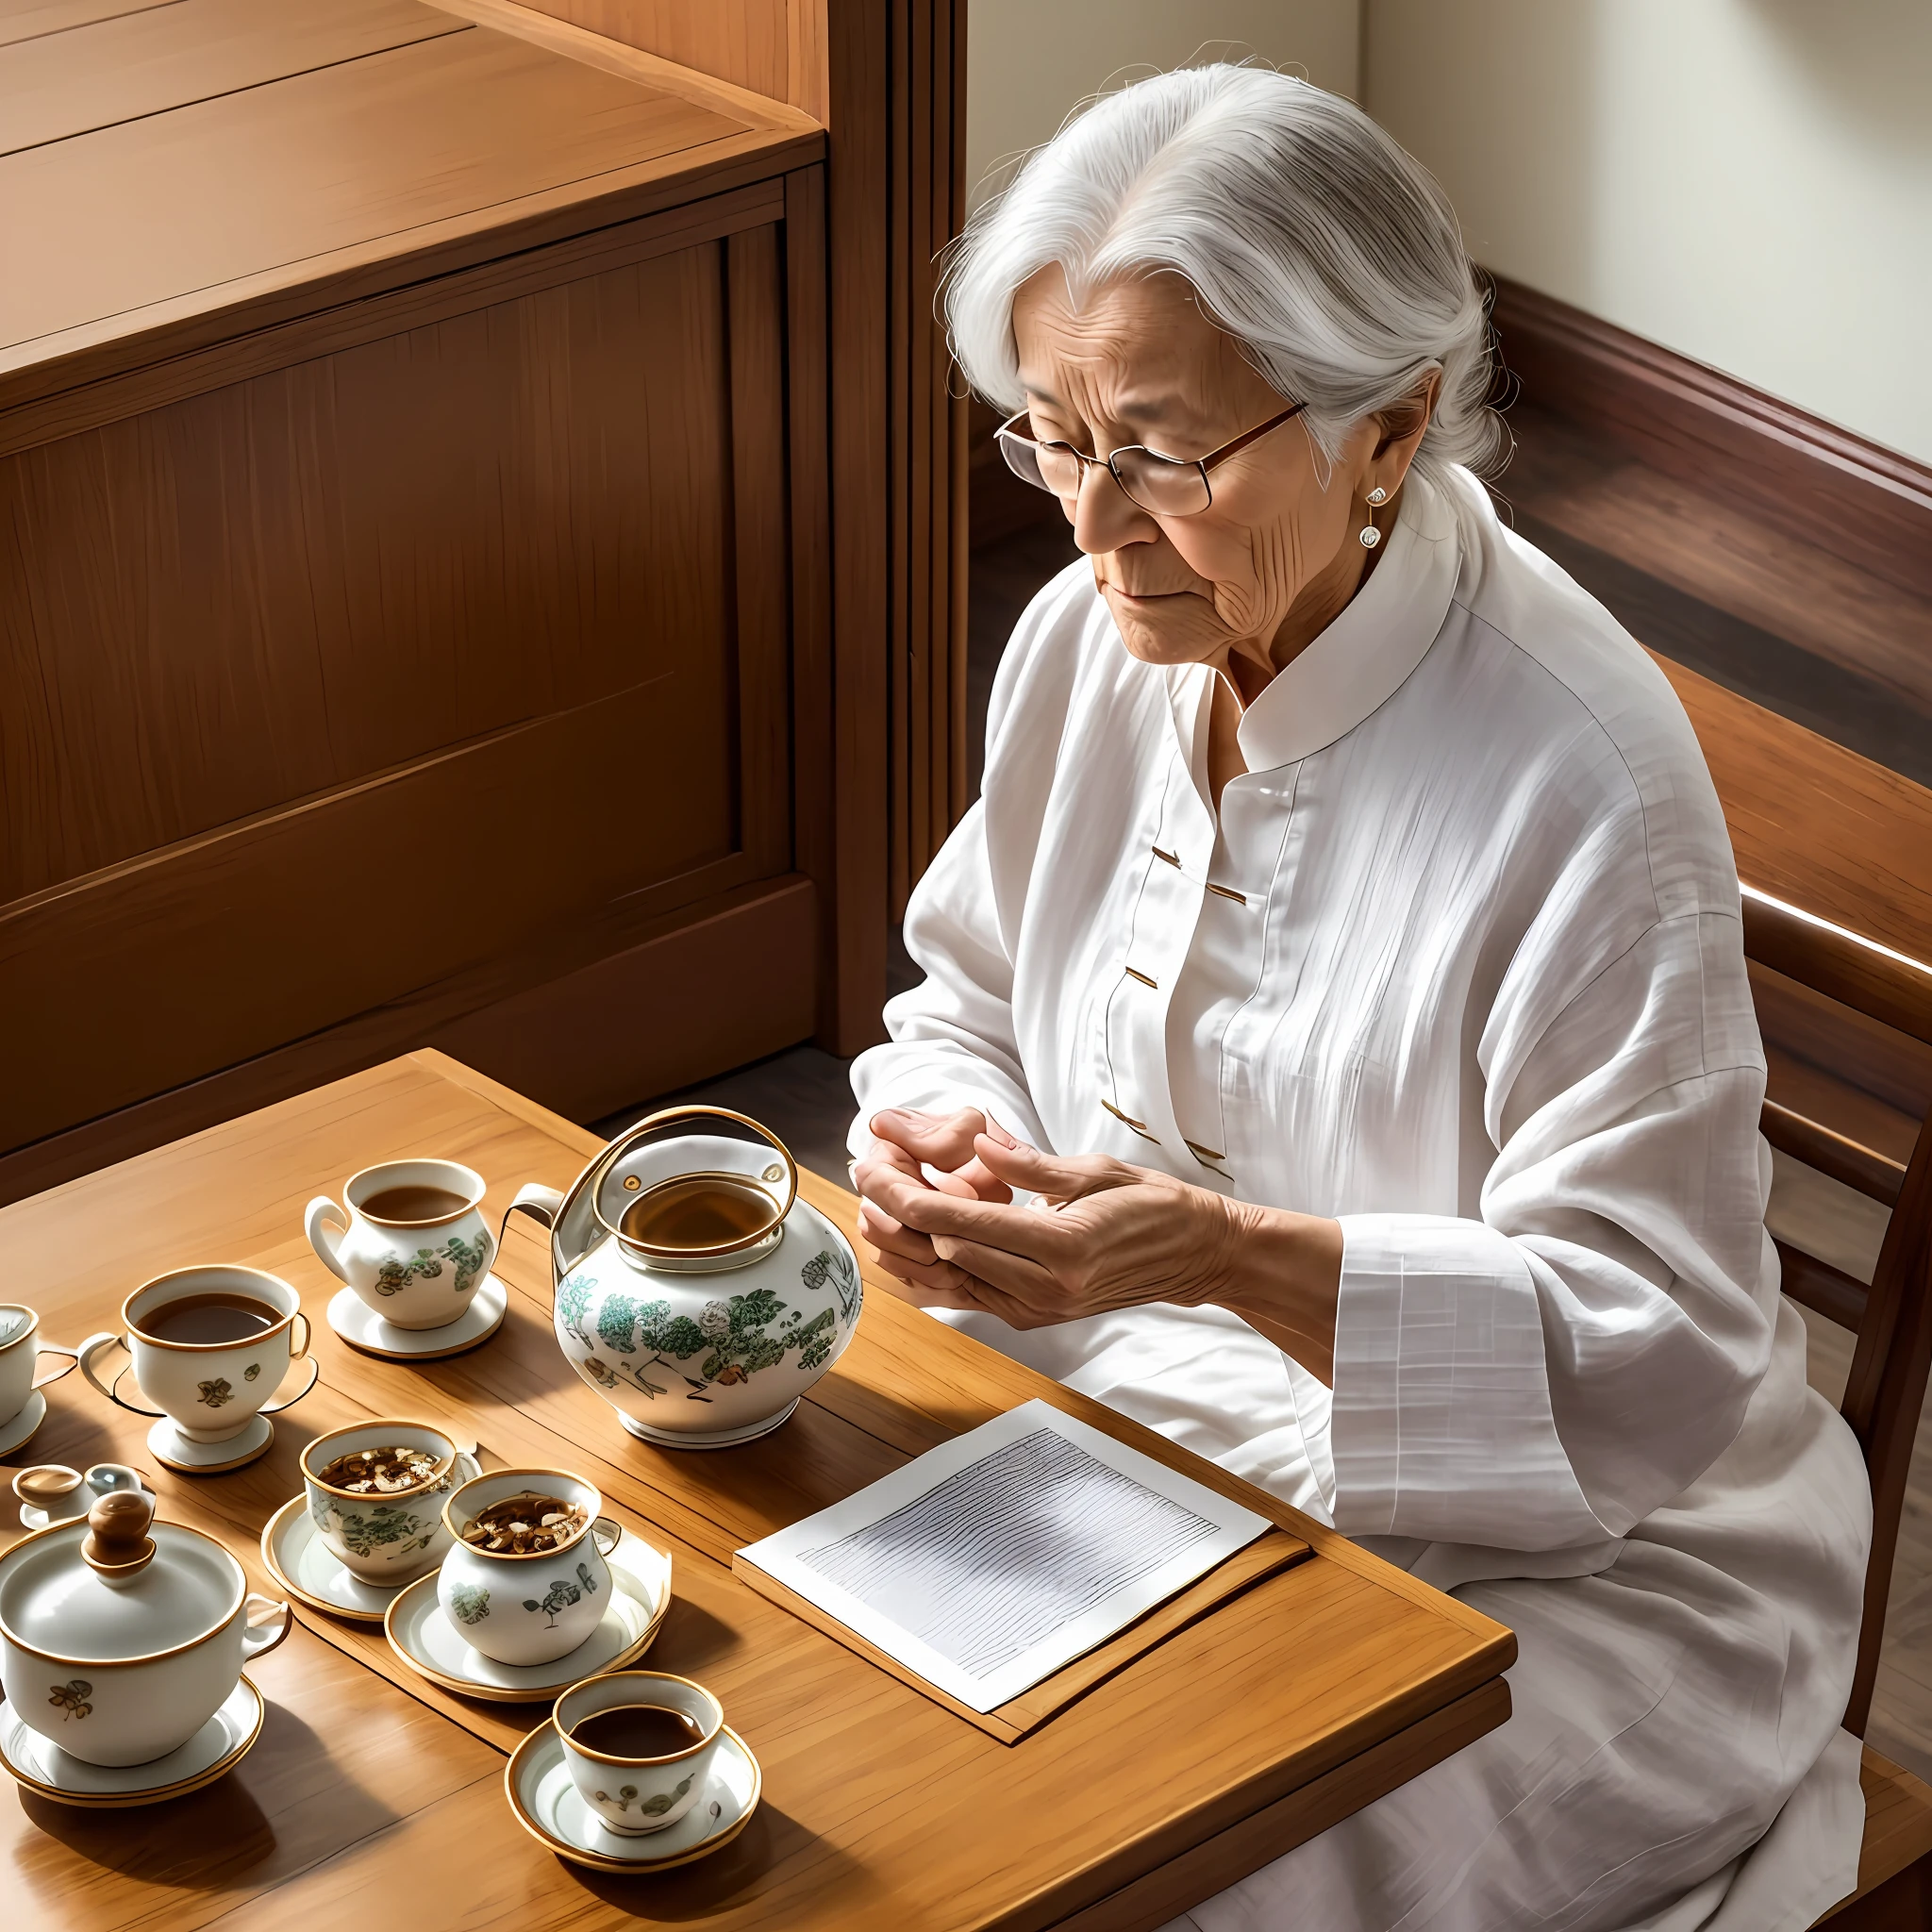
x=631, y=1795
x=20, y=1359
x=393, y=1538
x=210, y=1390
x=416, y=1271
x=534, y=1609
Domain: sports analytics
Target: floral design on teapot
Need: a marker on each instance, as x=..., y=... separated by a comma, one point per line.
x=836, y=1268
x=736, y=1337
x=469, y=1601
x=561, y=1594
x=217, y=1394
x=470, y=1258
x=70, y=1698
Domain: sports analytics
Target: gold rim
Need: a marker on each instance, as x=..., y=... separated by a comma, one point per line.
x=26, y=1333
x=380, y=1422
x=122, y=1800
x=426, y=1355
x=623, y=1144
x=75, y=1526
x=497, y=1693
x=305, y=1597
x=474, y=1201
x=602, y=1861
x=490, y=1476
x=216, y=1468
x=663, y=1678
x=134, y=1327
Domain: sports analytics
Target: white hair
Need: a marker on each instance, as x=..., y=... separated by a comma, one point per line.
x=1327, y=252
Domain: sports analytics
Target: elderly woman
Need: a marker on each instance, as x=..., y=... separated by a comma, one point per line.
x=1336, y=1050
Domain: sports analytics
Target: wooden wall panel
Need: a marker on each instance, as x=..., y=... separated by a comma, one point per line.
x=324, y=688
x=747, y=43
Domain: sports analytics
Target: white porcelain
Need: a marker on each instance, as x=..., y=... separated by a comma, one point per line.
x=528, y=1609
x=549, y=1807
x=213, y=1751
x=50, y=1493
x=393, y=1538
x=19, y=1358
x=21, y=1429
x=637, y=1796
x=170, y=1447
x=425, y=1640
x=211, y=1392
x=415, y=1274
x=120, y=1666
x=301, y=1563
x=710, y=1346
x=362, y=1328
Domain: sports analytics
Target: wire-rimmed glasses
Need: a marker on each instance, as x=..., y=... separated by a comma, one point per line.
x=1163, y=485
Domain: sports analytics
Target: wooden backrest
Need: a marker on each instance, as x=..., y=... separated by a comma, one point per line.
x=1891, y=1319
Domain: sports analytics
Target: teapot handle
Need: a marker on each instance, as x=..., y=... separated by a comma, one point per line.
x=534, y=1199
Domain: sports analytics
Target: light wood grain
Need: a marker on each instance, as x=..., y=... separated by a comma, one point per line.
x=148, y=61
x=26, y=20
x=879, y=1805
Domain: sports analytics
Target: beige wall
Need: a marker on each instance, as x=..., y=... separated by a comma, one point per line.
x=1747, y=181
x=1031, y=61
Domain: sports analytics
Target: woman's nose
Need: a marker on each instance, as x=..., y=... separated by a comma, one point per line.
x=1106, y=517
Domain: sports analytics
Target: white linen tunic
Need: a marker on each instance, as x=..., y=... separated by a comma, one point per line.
x=1458, y=962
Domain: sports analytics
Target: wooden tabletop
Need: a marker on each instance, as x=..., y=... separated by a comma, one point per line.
x=374, y=1797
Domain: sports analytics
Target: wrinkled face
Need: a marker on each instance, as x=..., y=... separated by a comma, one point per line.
x=1139, y=362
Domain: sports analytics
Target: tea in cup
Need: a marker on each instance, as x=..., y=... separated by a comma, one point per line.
x=641, y=1747
x=413, y=1243
x=524, y=1580
x=375, y=1493
x=210, y=1345
x=20, y=1359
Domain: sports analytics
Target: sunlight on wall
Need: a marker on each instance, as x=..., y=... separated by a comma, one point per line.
x=1746, y=181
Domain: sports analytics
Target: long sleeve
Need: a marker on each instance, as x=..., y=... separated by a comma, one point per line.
x=1546, y=1376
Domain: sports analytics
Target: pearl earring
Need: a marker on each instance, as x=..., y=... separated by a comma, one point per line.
x=1370, y=535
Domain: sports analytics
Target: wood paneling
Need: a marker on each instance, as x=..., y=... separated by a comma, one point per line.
x=193, y=50
x=747, y=43
x=879, y=1807
x=27, y=20
x=1818, y=484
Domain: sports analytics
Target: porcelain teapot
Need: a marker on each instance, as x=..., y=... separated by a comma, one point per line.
x=120, y=1636
x=695, y=1292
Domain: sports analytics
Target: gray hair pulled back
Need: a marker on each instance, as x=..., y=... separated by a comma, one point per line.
x=1315, y=240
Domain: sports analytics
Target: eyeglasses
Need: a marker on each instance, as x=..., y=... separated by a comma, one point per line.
x=1163, y=485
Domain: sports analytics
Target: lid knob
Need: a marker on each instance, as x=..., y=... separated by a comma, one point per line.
x=118, y=1544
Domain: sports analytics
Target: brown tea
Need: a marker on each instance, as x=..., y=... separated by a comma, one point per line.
x=413, y=1202
x=197, y=1320
x=698, y=1211
x=379, y=1472
x=637, y=1730
x=525, y=1525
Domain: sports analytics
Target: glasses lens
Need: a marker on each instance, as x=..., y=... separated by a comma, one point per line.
x=1046, y=465
x=1159, y=484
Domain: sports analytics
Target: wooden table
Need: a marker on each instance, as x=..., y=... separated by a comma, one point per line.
x=375, y=1798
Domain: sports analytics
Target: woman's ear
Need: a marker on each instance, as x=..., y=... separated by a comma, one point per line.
x=1399, y=430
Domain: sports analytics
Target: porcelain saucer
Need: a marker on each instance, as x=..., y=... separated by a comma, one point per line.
x=41, y=1766
x=549, y=1807
x=20, y=1430
x=361, y=1327
x=311, y=1572
x=430, y=1644
x=166, y=1443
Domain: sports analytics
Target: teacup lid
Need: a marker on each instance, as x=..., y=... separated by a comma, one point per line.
x=115, y=1585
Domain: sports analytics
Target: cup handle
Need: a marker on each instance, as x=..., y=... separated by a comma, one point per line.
x=99, y=1344
x=314, y=1376
x=325, y=1223
x=465, y=1466
x=606, y=1526
x=256, y=1638
x=67, y=1368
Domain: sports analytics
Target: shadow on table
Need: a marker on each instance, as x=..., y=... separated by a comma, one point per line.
x=729, y=1877
x=194, y=1842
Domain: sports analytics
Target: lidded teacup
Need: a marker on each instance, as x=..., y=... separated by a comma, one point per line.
x=121, y=1635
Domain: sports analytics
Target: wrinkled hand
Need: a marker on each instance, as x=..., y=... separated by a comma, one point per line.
x=1106, y=1234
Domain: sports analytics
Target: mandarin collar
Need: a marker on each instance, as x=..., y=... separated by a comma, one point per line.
x=1356, y=665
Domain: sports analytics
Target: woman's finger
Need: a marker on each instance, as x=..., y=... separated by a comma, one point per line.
x=892, y=1237
x=1017, y=1230
x=1026, y=1281
x=1048, y=1175
x=940, y=1141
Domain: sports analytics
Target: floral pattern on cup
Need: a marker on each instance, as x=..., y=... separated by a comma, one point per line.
x=70, y=1698
x=218, y=1392
x=562, y=1593
x=386, y=1526
x=651, y=1807
x=469, y=1601
x=470, y=1258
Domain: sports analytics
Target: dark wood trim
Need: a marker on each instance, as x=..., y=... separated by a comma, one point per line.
x=1819, y=1287
x=1831, y=1153
x=1818, y=483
